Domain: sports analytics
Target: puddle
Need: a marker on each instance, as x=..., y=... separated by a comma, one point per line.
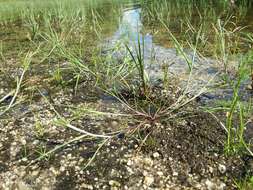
x=206, y=71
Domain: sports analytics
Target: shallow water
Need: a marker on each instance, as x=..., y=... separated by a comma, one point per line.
x=125, y=18
x=125, y=21
x=156, y=54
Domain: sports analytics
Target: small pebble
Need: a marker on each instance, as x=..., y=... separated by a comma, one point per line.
x=114, y=183
x=249, y=87
x=156, y=155
x=149, y=180
x=210, y=185
x=222, y=168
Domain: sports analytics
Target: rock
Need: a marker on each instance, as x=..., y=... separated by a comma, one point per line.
x=22, y=186
x=145, y=173
x=249, y=87
x=222, y=186
x=175, y=174
x=24, y=159
x=23, y=141
x=129, y=162
x=148, y=180
x=1, y=91
x=222, y=168
x=210, y=185
x=86, y=186
x=35, y=173
x=148, y=161
x=14, y=149
x=62, y=169
x=130, y=170
x=160, y=173
x=114, y=124
x=114, y=183
x=156, y=155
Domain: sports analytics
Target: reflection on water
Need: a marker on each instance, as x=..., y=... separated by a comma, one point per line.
x=133, y=16
x=130, y=28
x=131, y=23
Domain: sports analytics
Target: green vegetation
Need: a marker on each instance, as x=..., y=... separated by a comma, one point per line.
x=57, y=47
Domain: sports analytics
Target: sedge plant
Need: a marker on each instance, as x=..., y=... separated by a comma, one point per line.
x=138, y=59
x=235, y=141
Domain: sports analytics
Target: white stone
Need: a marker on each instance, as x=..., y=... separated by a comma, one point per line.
x=35, y=173
x=210, y=185
x=23, y=141
x=114, y=123
x=23, y=186
x=129, y=162
x=175, y=174
x=160, y=173
x=114, y=183
x=156, y=155
x=145, y=173
x=222, y=168
x=148, y=161
x=24, y=159
x=148, y=180
x=222, y=186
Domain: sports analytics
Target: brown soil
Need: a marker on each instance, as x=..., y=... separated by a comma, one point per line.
x=184, y=153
